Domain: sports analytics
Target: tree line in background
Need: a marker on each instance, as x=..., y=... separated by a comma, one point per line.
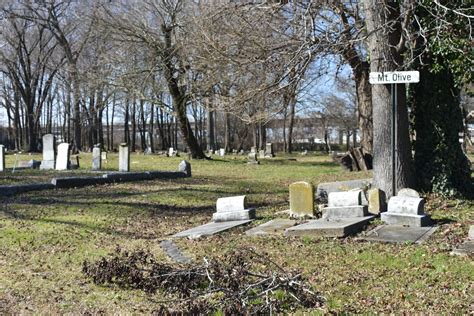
x=233, y=66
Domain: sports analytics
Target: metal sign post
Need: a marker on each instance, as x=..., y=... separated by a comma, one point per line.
x=394, y=78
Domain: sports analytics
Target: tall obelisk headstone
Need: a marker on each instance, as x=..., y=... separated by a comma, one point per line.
x=49, y=154
x=124, y=158
x=96, y=158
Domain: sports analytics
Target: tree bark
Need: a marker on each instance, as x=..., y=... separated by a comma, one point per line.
x=384, y=57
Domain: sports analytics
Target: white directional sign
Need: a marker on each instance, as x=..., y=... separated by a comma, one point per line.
x=394, y=77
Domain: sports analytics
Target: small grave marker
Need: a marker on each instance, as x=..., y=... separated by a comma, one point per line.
x=302, y=199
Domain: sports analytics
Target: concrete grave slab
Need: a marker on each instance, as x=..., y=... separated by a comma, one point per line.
x=273, y=227
x=335, y=228
x=172, y=250
x=466, y=249
x=394, y=234
x=209, y=229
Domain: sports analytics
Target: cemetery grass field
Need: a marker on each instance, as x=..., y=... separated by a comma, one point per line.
x=45, y=237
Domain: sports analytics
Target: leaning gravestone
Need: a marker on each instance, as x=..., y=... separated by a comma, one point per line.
x=124, y=158
x=62, y=160
x=49, y=156
x=406, y=211
x=96, y=158
x=252, y=159
x=2, y=158
x=301, y=199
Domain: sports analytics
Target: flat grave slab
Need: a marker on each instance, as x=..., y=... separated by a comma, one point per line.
x=334, y=228
x=172, y=250
x=394, y=234
x=466, y=249
x=273, y=227
x=209, y=229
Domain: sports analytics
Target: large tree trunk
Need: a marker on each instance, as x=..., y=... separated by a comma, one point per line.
x=178, y=94
x=210, y=130
x=382, y=44
x=289, y=142
x=364, y=107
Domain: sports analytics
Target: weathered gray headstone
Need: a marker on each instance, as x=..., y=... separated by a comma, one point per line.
x=49, y=154
x=376, y=200
x=185, y=167
x=2, y=158
x=471, y=232
x=301, y=199
x=253, y=149
x=261, y=154
x=269, y=150
x=252, y=159
x=407, y=192
x=103, y=155
x=405, y=211
x=62, y=160
x=124, y=158
x=96, y=158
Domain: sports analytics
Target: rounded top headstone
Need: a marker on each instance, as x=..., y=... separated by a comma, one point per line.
x=407, y=192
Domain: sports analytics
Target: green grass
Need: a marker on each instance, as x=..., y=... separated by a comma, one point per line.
x=45, y=236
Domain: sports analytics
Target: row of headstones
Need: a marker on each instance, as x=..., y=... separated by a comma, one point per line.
x=267, y=153
x=405, y=209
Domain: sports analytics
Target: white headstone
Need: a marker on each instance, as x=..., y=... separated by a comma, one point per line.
x=96, y=158
x=185, y=167
x=170, y=152
x=124, y=158
x=222, y=152
x=349, y=198
x=48, y=152
x=103, y=155
x=406, y=205
x=2, y=158
x=407, y=192
x=231, y=204
x=62, y=159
